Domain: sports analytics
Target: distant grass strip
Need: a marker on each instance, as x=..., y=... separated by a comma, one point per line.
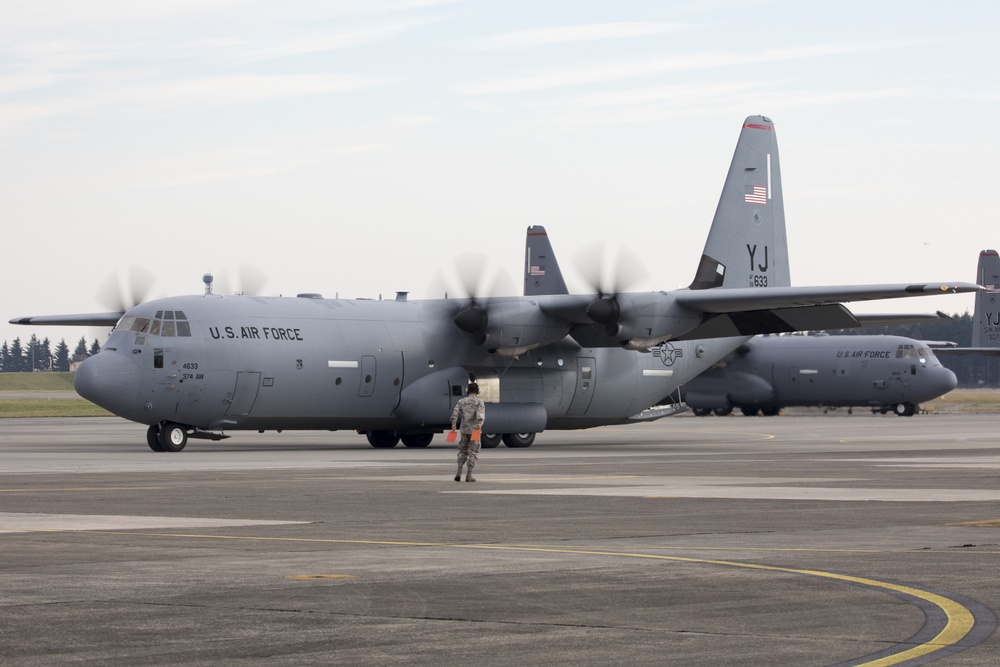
x=49, y=407
x=36, y=381
x=966, y=400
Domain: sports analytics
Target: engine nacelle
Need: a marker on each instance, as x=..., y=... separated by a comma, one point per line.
x=510, y=327
x=648, y=319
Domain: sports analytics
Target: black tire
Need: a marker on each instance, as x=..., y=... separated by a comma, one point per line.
x=750, y=411
x=173, y=437
x=771, y=411
x=153, y=438
x=383, y=439
x=904, y=409
x=701, y=412
x=722, y=412
x=416, y=439
x=518, y=439
x=490, y=440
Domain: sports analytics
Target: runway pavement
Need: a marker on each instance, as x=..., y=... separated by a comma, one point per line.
x=787, y=541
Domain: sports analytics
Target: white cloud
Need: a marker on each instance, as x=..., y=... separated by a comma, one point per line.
x=604, y=73
x=229, y=90
x=527, y=39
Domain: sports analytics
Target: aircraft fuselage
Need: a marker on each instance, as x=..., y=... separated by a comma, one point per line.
x=234, y=363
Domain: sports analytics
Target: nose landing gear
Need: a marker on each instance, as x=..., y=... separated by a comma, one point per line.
x=166, y=437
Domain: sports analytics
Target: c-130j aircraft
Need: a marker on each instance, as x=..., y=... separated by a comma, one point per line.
x=199, y=366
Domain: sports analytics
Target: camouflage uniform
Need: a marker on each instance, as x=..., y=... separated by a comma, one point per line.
x=472, y=411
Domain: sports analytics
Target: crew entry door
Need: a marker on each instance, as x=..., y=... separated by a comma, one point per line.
x=245, y=394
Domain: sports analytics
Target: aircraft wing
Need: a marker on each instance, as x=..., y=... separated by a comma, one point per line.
x=80, y=320
x=722, y=300
x=753, y=311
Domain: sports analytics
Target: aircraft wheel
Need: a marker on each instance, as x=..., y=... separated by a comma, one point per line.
x=518, y=439
x=490, y=440
x=383, y=439
x=701, y=412
x=153, y=438
x=173, y=437
x=904, y=409
x=417, y=439
x=722, y=412
x=750, y=411
x=770, y=412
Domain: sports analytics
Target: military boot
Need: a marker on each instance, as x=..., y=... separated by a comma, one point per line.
x=458, y=475
x=469, y=477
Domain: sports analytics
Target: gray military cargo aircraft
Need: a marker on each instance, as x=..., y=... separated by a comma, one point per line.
x=198, y=366
x=769, y=373
x=885, y=373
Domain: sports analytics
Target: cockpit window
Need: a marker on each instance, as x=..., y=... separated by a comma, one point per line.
x=911, y=352
x=168, y=323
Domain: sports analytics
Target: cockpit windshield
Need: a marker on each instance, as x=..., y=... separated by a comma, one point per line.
x=912, y=352
x=169, y=324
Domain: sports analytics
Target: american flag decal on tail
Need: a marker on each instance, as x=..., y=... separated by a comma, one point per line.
x=755, y=194
x=536, y=270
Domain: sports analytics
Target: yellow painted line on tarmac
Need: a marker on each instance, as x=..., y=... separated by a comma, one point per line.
x=960, y=620
x=989, y=523
x=82, y=488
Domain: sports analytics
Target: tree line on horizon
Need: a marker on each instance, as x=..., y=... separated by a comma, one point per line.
x=38, y=355
x=972, y=371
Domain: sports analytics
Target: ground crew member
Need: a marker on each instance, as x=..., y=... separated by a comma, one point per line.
x=472, y=412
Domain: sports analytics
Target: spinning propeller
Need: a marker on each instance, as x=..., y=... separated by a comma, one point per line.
x=123, y=291
x=609, y=274
x=477, y=284
x=244, y=279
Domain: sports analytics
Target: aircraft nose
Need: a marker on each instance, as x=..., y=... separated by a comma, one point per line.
x=943, y=381
x=110, y=380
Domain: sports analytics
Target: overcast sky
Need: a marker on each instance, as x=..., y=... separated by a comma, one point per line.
x=357, y=147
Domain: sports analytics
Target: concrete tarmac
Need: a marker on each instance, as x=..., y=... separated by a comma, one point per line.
x=787, y=541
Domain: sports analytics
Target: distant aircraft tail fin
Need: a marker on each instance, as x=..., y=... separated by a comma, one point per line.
x=541, y=270
x=986, y=317
x=747, y=246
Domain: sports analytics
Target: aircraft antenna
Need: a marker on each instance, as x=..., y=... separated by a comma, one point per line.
x=207, y=279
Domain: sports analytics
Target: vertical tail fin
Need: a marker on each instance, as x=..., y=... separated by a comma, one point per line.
x=746, y=246
x=986, y=317
x=541, y=270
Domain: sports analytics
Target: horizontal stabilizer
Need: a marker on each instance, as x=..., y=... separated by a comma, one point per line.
x=80, y=320
x=777, y=320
